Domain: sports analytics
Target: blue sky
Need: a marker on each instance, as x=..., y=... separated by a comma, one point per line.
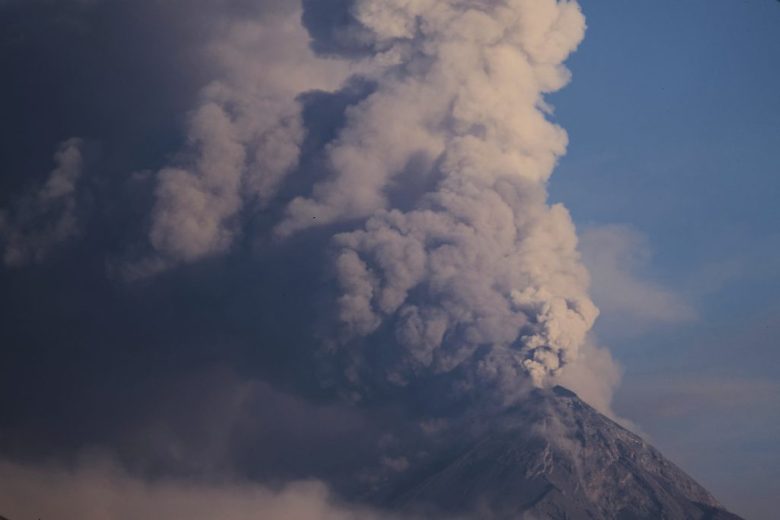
x=674, y=124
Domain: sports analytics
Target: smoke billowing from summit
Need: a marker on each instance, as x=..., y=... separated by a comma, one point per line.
x=435, y=182
x=420, y=180
x=245, y=243
x=479, y=272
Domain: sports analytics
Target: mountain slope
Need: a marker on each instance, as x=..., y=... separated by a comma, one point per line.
x=555, y=457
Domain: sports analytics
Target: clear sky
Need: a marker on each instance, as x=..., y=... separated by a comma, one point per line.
x=674, y=124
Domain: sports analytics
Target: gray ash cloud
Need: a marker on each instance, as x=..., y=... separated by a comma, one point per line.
x=339, y=200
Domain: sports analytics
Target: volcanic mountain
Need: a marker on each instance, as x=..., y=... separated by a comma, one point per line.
x=552, y=457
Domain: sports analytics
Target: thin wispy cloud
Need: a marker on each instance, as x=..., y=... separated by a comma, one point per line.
x=47, y=217
x=631, y=301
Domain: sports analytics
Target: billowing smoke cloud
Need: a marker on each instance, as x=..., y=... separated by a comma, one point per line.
x=244, y=137
x=40, y=221
x=473, y=270
x=443, y=166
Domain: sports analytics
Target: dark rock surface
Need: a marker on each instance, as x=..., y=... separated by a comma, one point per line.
x=553, y=457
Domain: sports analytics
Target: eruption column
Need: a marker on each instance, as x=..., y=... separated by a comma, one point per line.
x=446, y=165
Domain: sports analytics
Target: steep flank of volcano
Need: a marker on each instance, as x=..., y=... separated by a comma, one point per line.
x=554, y=456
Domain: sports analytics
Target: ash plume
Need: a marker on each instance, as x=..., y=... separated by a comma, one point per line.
x=473, y=270
x=243, y=138
x=433, y=187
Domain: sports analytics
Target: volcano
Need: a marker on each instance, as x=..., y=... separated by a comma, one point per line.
x=552, y=457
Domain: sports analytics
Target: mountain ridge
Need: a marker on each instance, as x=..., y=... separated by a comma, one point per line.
x=553, y=456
